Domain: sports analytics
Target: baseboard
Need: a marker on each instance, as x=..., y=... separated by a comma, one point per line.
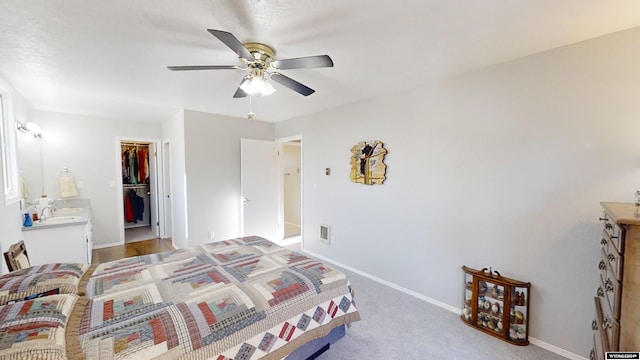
x=292, y=224
x=453, y=309
x=555, y=349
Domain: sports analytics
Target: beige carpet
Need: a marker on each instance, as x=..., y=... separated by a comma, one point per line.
x=395, y=325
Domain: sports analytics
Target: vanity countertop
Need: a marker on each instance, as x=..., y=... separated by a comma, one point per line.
x=65, y=216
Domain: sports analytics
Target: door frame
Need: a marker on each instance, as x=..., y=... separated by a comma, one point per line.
x=159, y=192
x=281, y=141
x=166, y=230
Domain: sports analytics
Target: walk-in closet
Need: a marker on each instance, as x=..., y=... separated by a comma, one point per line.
x=136, y=191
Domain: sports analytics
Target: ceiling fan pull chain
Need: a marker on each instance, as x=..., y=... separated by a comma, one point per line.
x=250, y=114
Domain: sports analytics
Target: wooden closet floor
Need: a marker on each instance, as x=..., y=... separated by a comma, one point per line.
x=131, y=249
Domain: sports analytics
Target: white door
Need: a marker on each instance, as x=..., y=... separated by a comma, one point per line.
x=153, y=188
x=260, y=191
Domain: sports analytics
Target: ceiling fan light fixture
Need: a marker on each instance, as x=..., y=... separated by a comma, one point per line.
x=259, y=59
x=257, y=86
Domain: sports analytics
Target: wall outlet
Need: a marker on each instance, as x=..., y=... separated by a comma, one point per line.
x=211, y=234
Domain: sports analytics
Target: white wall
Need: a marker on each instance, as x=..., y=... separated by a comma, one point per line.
x=10, y=215
x=173, y=131
x=212, y=155
x=87, y=146
x=502, y=167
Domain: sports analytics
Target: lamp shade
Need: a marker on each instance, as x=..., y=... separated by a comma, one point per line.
x=257, y=86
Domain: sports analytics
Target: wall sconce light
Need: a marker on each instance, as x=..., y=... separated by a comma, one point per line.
x=30, y=128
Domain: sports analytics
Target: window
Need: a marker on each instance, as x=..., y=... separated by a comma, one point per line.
x=9, y=158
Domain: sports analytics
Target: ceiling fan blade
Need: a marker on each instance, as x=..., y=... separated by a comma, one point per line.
x=240, y=93
x=204, y=67
x=304, y=62
x=292, y=84
x=233, y=43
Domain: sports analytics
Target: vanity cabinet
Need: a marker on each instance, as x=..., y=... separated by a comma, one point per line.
x=72, y=243
x=616, y=322
x=496, y=305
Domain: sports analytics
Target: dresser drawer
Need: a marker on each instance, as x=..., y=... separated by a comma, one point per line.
x=604, y=300
x=614, y=261
x=610, y=325
x=605, y=265
x=612, y=294
x=596, y=351
x=613, y=232
x=600, y=341
x=605, y=241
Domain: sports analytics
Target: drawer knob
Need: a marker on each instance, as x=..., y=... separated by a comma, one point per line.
x=607, y=323
x=594, y=325
x=602, y=219
x=611, y=257
x=603, y=242
x=600, y=291
x=602, y=265
x=608, y=226
x=608, y=285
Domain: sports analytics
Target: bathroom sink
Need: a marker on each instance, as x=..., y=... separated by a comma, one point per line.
x=69, y=210
x=59, y=220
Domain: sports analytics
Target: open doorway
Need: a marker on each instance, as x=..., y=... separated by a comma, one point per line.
x=291, y=171
x=139, y=179
x=271, y=187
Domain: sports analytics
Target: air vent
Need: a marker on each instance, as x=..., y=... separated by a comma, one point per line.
x=325, y=237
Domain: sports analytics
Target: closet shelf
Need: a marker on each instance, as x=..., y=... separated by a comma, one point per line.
x=131, y=186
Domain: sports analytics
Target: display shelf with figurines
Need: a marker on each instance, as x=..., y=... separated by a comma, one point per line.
x=518, y=329
x=496, y=305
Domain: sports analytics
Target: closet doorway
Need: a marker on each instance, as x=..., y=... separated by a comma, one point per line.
x=290, y=150
x=139, y=179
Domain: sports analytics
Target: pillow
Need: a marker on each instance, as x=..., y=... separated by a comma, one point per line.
x=38, y=280
x=35, y=329
x=76, y=269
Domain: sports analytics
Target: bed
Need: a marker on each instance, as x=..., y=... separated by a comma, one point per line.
x=239, y=299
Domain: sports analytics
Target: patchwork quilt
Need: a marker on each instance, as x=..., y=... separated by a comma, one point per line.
x=35, y=329
x=239, y=299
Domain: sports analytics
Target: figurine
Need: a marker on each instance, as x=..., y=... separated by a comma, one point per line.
x=495, y=308
x=494, y=292
x=522, y=300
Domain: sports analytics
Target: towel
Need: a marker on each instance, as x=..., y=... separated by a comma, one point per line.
x=67, y=187
x=23, y=187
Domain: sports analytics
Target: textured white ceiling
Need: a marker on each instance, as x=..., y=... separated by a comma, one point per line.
x=109, y=58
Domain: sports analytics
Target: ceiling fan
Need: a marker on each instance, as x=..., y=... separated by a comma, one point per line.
x=259, y=60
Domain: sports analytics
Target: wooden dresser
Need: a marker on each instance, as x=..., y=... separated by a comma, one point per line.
x=617, y=302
